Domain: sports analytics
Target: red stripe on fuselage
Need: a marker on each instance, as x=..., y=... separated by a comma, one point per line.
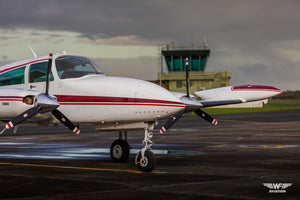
x=124, y=104
x=98, y=100
x=11, y=98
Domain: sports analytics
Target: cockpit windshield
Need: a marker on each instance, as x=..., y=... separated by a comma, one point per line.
x=74, y=67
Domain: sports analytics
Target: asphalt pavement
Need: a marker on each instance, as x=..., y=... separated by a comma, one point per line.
x=236, y=159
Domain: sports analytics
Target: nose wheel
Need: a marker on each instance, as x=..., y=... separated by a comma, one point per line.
x=146, y=164
x=145, y=159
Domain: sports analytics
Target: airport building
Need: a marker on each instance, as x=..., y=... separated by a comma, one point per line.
x=172, y=75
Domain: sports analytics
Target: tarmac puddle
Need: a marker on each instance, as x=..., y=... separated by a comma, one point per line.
x=185, y=130
x=257, y=146
x=69, y=151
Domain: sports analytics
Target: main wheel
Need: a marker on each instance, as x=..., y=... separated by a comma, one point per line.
x=148, y=163
x=119, y=151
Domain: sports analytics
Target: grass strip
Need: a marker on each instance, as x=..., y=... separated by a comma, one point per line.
x=272, y=106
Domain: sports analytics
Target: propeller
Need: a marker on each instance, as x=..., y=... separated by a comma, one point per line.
x=171, y=122
x=56, y=113
x=44, y=103
x=191, y=105
x=48, y=74
x=187, y=72
x=206, y=116
x=22, y=117
x=65, y=121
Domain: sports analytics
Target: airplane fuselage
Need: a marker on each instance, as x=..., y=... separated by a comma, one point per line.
x=90, y=96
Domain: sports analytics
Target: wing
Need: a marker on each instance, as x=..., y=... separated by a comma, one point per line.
x=220, y=103
x=192, y=104
x=268, y=185
x=218, y=97
x=228, y=95
x=286, y=185
x=236, y=94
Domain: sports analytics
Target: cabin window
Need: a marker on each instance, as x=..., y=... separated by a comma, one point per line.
x=13, y=77
x=38, y=72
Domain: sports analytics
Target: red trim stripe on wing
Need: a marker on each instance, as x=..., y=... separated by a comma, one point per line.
x=255, y=88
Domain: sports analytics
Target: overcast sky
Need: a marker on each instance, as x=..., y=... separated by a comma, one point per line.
x=258, y=41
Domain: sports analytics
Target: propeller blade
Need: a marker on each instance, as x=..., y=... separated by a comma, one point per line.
x=206, y=116
x=22, y=117
x=48, y=73
x=171, y=122
x=65, y=121
x=187, y=79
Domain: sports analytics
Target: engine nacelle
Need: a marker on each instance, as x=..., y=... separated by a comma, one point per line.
x=244, y=93
x=15, y=101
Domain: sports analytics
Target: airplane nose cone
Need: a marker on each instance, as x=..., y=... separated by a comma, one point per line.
x=158, y=96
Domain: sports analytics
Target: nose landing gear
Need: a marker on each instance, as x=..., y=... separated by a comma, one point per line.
x=145, y=159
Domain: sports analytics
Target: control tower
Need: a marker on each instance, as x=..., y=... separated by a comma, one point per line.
x=172, y=69
x=175, y=59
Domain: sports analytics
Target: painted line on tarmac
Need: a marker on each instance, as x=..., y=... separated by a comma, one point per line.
x=72, y=167
x=277, y=135
x=250, y=122
x=257, y=146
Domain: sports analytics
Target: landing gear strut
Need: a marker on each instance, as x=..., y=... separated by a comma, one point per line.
x=120, y=149
x=145, y=159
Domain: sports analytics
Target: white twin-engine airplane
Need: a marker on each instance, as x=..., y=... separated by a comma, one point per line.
x=72, y=89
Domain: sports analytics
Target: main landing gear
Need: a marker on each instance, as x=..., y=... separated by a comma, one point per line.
x=120, y=149
x=144, y=160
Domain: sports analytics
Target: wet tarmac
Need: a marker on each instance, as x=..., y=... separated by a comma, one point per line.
x=195, y=160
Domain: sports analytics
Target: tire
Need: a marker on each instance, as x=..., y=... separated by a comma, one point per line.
x=148, y=165
x=119, y=151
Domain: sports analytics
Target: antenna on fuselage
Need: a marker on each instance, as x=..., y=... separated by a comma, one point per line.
x=33, y=53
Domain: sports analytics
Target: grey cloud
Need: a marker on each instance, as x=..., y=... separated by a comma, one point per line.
x=142, y=67
x=254, y=70
x=249, y=26
x=285, y=76
x=4, y=57
x=234, y=21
